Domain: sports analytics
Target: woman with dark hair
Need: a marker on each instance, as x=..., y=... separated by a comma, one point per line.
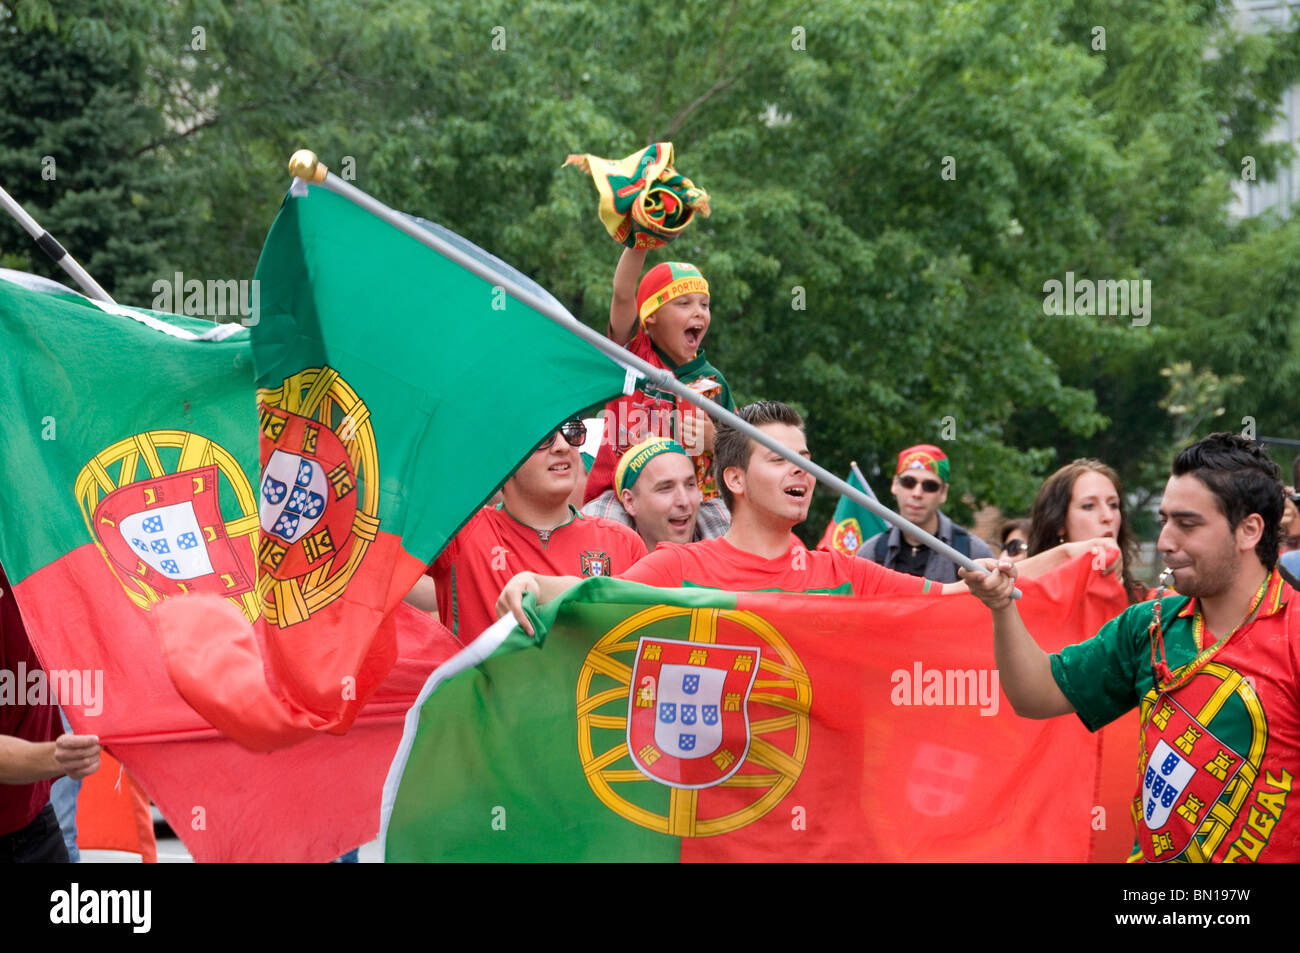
x=1084, y=501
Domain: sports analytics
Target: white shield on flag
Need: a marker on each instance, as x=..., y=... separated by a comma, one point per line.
x=1167, y=774
x=169, y=539
x=688, y=722
x=292, y=497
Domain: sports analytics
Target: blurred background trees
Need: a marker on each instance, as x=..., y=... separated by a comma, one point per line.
x=894, y=181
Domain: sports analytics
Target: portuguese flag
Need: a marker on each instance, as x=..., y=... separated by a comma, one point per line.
x=695, y=725
x=851, y=526
x=116, y=417
x=213, y=526
x=395, y=391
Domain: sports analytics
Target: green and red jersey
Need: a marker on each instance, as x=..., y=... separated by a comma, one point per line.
x=650, y=412
x=1220, y=740
x=475, y=566
x=717, y=564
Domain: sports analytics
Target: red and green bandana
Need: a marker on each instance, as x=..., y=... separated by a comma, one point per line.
x=664, y=282
x=644, y=202
x=924, y=456
x=637, y=458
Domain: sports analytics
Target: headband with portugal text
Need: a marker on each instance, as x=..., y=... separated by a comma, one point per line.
x=644, y=202
x=636, y=458
x=664, y=282
x=924, y=456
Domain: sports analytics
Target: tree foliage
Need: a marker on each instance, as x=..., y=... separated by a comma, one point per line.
x=911, y=172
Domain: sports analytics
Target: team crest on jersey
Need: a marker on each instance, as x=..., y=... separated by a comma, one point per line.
x=688, y=720
x=595, y=564
x=318, y=497
x=153, y=503
x=847, y=537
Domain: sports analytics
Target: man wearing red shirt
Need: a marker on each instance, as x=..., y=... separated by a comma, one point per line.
x=33, y=750
x=1214, y=670
x=768, y=496
x=535, y=528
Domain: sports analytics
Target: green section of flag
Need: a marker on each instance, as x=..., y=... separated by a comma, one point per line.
x=488, y=776
x=870, y=523
x=459, y=380
x=77, y=378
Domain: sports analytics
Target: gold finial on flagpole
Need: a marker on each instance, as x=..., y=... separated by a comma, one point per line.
x=307, y=167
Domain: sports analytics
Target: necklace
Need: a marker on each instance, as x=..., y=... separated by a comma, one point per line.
x=1164, y=678
x=543, y=535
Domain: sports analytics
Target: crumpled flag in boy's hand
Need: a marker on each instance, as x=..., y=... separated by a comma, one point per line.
x=644, y=202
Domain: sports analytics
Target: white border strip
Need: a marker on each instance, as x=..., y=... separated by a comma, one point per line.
x=468, y=657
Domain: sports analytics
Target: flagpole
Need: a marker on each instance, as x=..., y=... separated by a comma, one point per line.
x=50, y=245
x=304, y=165
x=858, y=473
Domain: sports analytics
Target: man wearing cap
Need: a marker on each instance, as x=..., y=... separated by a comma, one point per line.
x=534, y=528
x=663, y=321
x=656, y=492
x=921, y=486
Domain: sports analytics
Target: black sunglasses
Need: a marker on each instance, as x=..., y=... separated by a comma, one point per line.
x=573, y=431
x=909, y=483
x=1014, y=547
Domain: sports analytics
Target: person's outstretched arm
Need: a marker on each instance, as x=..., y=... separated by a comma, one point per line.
x=1024, y=669
x=622, y=309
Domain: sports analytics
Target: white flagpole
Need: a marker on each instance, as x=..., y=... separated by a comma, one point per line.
x=304, y=165
x=50, y=245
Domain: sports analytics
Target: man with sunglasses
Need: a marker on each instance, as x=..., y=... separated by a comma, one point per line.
x=921, y=486
x=534, y=529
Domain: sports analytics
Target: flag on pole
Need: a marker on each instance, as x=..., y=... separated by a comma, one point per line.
x=281, y=487
x=374, y=357
x=129, y=461
x=852, y=525
x=695, y=725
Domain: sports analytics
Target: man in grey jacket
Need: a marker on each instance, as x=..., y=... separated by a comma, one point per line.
x=921, y=486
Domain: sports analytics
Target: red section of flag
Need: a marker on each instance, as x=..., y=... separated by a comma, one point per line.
x=901, y=765
x=310, y=802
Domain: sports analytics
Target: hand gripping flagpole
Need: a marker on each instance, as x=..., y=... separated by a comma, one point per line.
x=304, y=165
x=50, y=245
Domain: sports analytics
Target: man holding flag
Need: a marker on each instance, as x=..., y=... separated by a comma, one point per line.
x=1213, y=669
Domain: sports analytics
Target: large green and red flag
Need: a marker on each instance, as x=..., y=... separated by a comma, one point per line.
x=273, y=491
x=128, y=451
x=694, y=725
x=376, y=358
x=852, y=525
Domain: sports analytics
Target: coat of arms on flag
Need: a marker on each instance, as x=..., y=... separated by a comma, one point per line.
x=688, y=722
x=164, y=533
x=847, y=537
x=319, y=496
x=673, y=695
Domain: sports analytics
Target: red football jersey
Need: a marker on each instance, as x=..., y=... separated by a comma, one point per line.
x=716, y=564
x=476, y=565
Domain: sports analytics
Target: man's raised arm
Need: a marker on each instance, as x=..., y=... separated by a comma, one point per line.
x=1024, y=669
